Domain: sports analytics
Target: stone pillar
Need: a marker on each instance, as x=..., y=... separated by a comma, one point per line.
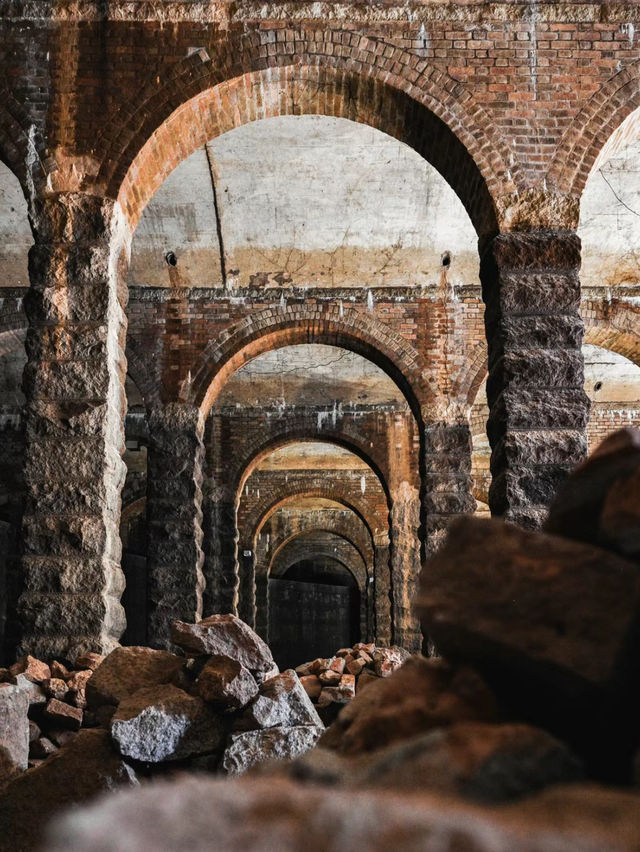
x=447, y=477
x=382, y=585
x=405, y=566
x=538, y=407
x=221, y=547
x=174, y=518
x=74, y=384
x=247, y=589
x=262, y=605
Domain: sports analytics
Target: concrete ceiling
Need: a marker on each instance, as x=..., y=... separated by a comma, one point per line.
x=310, y=374
x=304, y=200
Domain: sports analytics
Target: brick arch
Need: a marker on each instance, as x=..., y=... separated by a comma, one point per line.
x=275, y=327
x=341, y=529
x=258, y=451
x=359, y=576
x=21, y=145
x=613, y=326
x=262, y=513
x=140, y=370
x=368, y=81
x=472, y=375
x=604, y=125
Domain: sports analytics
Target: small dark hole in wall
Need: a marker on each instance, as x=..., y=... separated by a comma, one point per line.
x=597, y=386
x=446, y=258
x=171, y=258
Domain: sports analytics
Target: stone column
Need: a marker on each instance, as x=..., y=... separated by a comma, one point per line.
x=405, y=565
x=174, y=518
x=447, y=476
x=74, y=384
x=262, y=605
x=220, y=569
x=538, y=407
x=382, y=585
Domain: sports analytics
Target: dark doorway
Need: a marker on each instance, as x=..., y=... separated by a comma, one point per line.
x=313, y=611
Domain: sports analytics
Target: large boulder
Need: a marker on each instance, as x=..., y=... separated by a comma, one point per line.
x=126, y=670
x=282, y=701
x=551, y=623
x=14, y=731
x=600, y=501
x=163, y=723
x=485, y=763
x=224, y=635
x=87, y=765
x=226, y=683
x=247, y=749
x=419, y=696
x=257, y=814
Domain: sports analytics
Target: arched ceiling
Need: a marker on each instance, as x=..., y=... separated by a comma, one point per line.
x=15, y=232
x=304, y=200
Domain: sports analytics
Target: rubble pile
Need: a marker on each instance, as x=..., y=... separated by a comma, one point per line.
x=331, y=682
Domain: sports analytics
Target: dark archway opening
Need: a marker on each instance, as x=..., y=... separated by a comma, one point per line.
x=314, y=609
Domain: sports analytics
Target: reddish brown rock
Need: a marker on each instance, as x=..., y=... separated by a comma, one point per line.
x=312, y=685
x=33, y=669
x=336, y=665
x=89, y=661
x=55, y=688
x=41, y=749
x=329, y=678
x=226, y=635
x=58, y=670
x=354, y=667
x=387, y=660
x=126, y=670
x=418, y=697
x=62, y=715
x=226, y=683
x=87, y=766
x=552, y=623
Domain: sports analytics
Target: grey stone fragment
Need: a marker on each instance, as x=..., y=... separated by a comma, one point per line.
x=14, y=731
x=226, y=635
x=259, y=814
x=126, y=670
x=163, y=723
x=252, y=747
x=36, y=695
x=282, y=701
x=226, y=683
x=76, y=773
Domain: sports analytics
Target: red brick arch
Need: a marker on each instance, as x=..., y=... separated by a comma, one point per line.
x=275, y=327
x=364, y=80
x=604, y=125
x=613, y=326
x=258, y=451
x=358, y=573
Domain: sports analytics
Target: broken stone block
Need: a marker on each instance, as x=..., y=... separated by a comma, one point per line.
x=74, y=774
x=127, y=670
x=354, y=667
x=34, y=732
x=365, y=678
x=418, y=697
x=36, y=695
x=551, y=623
x=63, y=715
x=42, y=748
x=14, y=731
x=330, y=678
x=58, y=670
x=163, y=723
x=485, y=763
x=280, y=743
x=336, y=665
x=318, y=665
x=276, y=813
x=387, y=660
x=33, y=669
x=226, y=635
x=312, y=685
x=366, y=648
x=60, y=737
x=89, y=661
x=282, y=701
x=78, y=680
x=55, y=688
x=226, y=683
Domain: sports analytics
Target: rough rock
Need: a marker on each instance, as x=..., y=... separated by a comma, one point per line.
x=226, y=635
x=33, y=669
x=598, y=503
x=55, y=687
x=226, y=683
x=76, y=773
x=552, y=625
x=387, y=660
x=485, y=763
x=252, y=747
x=419, y=696
x=126, y=670
x=14, y=731
x=62, y=715
x=36, y=695
x=162, y=723
x=256, y=814
x=42, y=748
x=311, y=685
x=282, y=701
x=89, y=661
